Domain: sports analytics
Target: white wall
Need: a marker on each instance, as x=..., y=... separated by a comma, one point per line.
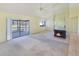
x=50, y=24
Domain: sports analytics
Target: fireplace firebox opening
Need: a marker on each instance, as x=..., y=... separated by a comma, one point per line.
x=60, y=33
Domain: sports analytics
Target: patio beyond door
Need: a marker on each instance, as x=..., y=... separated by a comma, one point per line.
x=20, y=28
x=17, y=28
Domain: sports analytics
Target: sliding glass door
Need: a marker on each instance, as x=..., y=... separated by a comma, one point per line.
x=23, y=27
x=20, y=28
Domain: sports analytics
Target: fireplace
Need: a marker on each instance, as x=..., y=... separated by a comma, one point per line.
x=60, y=33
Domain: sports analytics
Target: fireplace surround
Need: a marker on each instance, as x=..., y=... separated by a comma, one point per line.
x=60, y=33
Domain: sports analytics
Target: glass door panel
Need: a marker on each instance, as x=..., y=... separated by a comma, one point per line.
x=15, y=32
x=20, y=28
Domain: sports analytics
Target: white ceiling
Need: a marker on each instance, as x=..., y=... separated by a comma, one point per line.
x=50, y=9
x=19, y=8
x=32, y=9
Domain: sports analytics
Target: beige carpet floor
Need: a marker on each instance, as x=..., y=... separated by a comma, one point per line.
x=42, y=44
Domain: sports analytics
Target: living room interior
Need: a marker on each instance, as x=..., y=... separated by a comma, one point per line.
x=39, y=29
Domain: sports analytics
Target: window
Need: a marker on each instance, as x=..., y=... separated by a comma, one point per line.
x=43, y=23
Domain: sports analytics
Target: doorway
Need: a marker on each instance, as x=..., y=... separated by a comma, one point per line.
x=17, y=28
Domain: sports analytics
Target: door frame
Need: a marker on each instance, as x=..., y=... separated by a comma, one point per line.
x=9, y=31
